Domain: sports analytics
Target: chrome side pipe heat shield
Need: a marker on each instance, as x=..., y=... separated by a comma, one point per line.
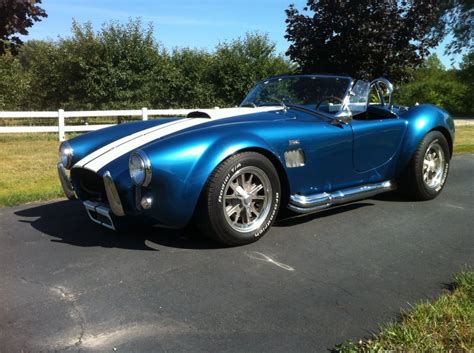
x=312, y=203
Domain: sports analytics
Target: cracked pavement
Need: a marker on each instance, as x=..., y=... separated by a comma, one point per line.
x=310, y=283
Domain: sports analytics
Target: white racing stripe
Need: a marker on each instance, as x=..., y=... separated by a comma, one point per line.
x=121, y=141
x=106, y=154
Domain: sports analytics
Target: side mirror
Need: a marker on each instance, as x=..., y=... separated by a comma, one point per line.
x=344, y=117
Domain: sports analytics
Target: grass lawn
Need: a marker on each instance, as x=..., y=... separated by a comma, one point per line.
x=464, y=141
x=445, y=325
x=28, y=165
x=28, y=168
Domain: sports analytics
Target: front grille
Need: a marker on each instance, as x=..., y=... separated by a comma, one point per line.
x=89, y=185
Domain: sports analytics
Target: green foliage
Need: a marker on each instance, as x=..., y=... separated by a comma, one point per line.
x=16, y=16
x=432, y=83
x=14, y=82
x=46, y=87
x=459, y=22
x=466, y=75
x=122, y=66
x=243, y=62
x=365, y=38
x=190, y=82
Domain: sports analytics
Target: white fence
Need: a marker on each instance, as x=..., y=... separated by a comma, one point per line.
x=62, y=115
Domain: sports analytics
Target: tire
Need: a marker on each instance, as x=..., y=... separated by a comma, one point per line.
x=240, y=200
x=426, y=174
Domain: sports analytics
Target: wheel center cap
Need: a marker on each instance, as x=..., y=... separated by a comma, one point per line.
x=247, y=200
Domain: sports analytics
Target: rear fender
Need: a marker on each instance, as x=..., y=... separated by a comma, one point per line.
x=421, y=120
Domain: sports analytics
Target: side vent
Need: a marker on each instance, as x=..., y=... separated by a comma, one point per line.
x=294, y=158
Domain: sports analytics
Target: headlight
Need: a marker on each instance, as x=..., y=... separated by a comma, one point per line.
x=140, y=168
x=65, y=154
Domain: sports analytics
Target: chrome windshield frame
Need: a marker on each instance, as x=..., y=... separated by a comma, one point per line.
x=345, y=98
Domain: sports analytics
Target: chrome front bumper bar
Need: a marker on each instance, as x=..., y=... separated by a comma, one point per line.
x=66, y=182
x=99, y=214
x=112, y=195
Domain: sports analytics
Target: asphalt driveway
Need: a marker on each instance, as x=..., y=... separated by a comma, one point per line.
x=310, y=283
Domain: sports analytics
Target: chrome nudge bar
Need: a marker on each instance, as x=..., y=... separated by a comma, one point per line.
x=312, y=203
x=112, y=195
x=66, y=182
x=99, y=214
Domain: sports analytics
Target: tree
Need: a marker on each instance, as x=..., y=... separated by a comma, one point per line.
x=189, y=84
x=467, y=69
x=434, y=84
x=240, y=63
x=466, y=76
x=47, y=87
x=122, y=66
x=15, y=17
x=14, y=83
x=459, y=19
x=363, y=38
x=110, y=68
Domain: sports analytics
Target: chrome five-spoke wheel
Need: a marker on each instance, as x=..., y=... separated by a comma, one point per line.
x=426, y=174
x=247, y=199
x=241, y=199
x=433, y=165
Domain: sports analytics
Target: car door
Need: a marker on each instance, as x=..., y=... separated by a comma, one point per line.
x=327, y=152
x=379, y=132
x=376, y=142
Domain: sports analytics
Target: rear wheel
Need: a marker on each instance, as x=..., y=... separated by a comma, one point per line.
x=241, y=199
x=428, y=170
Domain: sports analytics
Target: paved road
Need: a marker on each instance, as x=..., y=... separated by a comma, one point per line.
x=311, y=283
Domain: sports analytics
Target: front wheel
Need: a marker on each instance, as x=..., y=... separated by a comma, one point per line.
x=428, y=170
x=240, y=200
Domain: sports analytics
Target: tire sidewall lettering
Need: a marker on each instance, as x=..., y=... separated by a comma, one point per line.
x=443, y=180
x=270, y=219
x=226, y=179
x=272, y=214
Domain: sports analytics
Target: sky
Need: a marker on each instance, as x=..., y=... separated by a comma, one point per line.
x=183, y=23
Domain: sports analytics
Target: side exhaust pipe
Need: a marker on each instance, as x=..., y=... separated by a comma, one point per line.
x=307, y=204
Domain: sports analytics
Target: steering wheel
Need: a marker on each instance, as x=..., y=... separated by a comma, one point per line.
x=325, y=98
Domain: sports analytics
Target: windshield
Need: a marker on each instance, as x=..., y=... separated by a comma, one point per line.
x=321, y=93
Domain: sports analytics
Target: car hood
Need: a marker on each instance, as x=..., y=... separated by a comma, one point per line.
x=136, y=138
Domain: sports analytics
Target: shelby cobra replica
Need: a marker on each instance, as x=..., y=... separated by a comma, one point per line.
x=305, y=142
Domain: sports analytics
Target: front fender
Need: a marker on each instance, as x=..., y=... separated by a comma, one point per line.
x=181, y=167
x=421, y=120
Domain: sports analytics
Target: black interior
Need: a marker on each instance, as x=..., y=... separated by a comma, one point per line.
x=375, y=112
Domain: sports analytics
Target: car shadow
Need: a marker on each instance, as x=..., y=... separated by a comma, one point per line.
x=393, y=196
x=67, y=222
x=288, y=218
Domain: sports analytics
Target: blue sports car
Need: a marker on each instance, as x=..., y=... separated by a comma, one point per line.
x=303, y=142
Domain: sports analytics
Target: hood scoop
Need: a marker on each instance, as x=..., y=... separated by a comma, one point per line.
x=230, y=112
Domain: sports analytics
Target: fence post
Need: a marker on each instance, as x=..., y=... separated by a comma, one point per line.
x=61, y=125
x=144, y=114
